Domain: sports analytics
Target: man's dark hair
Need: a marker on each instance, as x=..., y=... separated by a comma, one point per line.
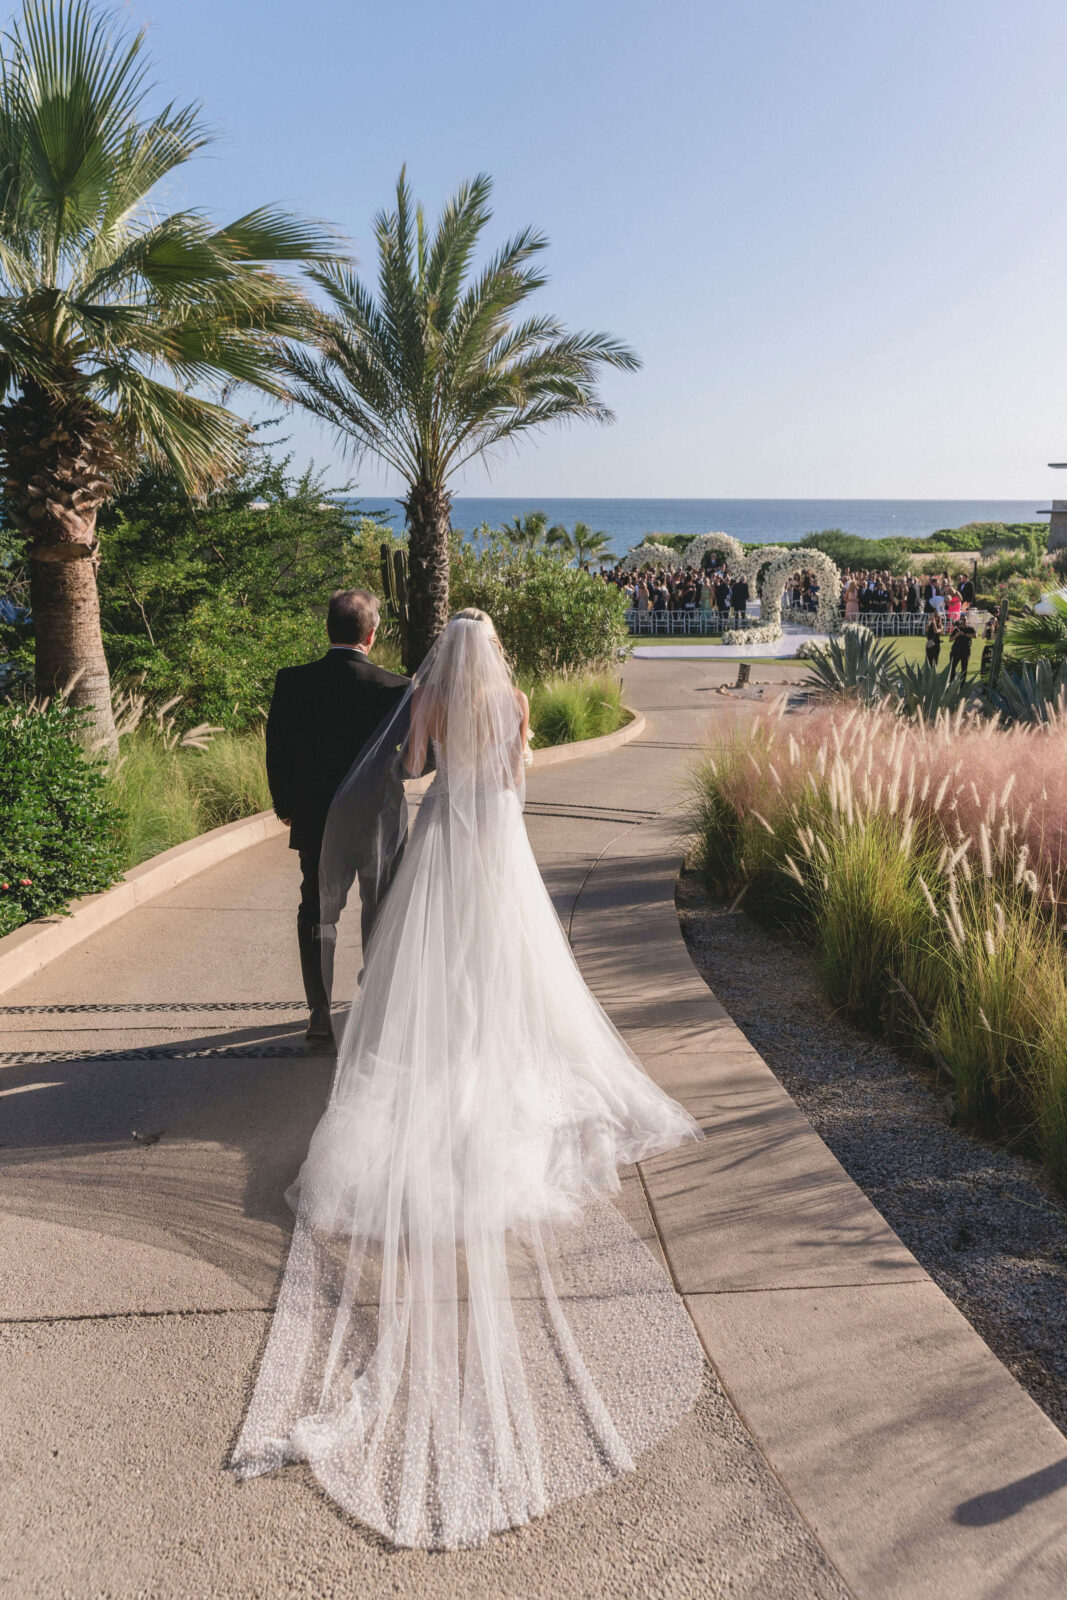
x=352, y=617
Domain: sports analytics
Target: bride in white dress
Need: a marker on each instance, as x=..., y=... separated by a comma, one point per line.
x=468, y=1331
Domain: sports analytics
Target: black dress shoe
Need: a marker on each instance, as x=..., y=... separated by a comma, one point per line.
x=320, y=1029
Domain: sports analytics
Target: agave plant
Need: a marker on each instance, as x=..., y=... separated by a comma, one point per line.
x=1035, y=693
x=1036, y=637
x=924, y=691
x=856, y=664
x=444, y=366
x=121, y=327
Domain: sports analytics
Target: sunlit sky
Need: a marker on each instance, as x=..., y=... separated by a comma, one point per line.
x=834, y=231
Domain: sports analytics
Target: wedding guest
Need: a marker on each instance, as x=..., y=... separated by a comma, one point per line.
x=933, y=639
x=960, y=651
x=739, y=597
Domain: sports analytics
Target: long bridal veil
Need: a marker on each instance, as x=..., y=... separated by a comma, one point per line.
x=468, y=1331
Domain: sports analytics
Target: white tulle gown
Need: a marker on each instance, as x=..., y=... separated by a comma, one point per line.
x=468, y=1331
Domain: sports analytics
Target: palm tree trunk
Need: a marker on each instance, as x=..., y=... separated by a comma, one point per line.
x=68, y=647
x=429, y=510
x=57, y=479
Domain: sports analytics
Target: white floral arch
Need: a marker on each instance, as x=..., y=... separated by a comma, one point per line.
x=827, y=617
x=723, y=544
x=650, y=555
x=752, y=560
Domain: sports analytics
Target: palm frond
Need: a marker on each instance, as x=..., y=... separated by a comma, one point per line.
x=103, y=302
x=435, y=368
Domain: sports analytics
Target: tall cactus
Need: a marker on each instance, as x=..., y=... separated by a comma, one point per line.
x=997, y=657
x=395, y=591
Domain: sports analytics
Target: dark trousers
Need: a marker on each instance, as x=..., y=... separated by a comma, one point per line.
x=308, y=916
x=958, y=662
x=739, y=611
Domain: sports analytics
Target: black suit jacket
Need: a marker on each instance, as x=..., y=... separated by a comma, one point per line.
x=321, y=715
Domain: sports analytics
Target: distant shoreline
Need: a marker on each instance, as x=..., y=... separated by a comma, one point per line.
x=769, y=521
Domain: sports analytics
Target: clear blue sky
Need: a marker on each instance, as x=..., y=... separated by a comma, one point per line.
x=835, y=231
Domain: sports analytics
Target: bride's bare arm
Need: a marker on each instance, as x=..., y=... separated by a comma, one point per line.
x=524, y=734
x=414, y=757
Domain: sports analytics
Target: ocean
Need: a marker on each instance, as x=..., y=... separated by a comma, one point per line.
x=768, y=521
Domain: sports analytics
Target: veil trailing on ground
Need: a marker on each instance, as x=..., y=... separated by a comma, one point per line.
x=468, y=1331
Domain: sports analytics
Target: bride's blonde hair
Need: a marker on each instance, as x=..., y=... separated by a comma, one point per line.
x=472, y=614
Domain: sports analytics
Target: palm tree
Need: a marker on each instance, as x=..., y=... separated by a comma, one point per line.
x=1040, y=637
x=527, y=531
x=583, y=545
x=436, y=371
x=112, y=315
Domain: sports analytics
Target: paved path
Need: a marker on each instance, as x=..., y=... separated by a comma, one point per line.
x=862, y=1439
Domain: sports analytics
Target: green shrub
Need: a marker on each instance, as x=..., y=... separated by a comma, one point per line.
x=59, y=824
x=207, y=601
x=552, y=618
x=933, y=553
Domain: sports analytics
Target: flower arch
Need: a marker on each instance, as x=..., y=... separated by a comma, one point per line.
x=827, y=618
x=650, y=555
x=723, y=543
x=752, y=560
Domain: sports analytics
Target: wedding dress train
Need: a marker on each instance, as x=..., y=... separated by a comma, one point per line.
x=468, y=1331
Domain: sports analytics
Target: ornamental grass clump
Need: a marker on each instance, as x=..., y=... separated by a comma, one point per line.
x=564, y=710
x=170, y=787
x=926, y=864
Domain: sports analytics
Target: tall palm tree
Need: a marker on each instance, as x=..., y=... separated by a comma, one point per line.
x=436, y=370
x=583, y=545
x=120, y=328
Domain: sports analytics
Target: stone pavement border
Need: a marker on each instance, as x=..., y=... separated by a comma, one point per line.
x=921, y=1466
x=918, y=1463
x=32, y=946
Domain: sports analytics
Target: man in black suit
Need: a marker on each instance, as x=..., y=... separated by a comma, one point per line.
x=321, y=716
x=739, y=597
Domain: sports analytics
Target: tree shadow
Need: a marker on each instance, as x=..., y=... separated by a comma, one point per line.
x=999, y=1504
x=232, y=1128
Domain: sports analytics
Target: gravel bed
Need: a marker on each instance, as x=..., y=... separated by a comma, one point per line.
x=983, y=1221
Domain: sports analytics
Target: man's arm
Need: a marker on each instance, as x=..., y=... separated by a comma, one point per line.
x=281, y=755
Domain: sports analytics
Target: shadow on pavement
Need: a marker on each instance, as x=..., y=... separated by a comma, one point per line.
x=233, y=1130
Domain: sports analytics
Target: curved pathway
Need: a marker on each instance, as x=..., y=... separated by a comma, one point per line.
x=855, y=1437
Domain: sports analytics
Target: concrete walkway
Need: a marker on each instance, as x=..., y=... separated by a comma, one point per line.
x=855, y=1437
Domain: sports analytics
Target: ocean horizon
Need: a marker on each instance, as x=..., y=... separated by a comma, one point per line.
x=627, y=522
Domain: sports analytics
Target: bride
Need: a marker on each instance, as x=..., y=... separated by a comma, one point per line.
x=468, y=1331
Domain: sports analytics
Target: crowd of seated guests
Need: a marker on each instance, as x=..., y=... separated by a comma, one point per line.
x=683, y=589
x=864, y=593
x=870, y=593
